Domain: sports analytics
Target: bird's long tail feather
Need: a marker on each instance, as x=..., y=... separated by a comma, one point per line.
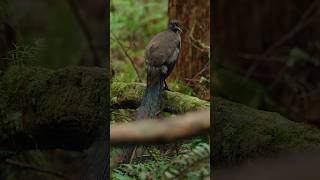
x=151, y=102
x=150, y=106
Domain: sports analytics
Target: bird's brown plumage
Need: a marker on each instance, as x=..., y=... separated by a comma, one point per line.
x=162, y=52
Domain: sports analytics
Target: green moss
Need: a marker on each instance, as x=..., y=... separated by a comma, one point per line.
x=228, y=84
x=131, y=94
x=33, y=97
x=178, y=102
x=181, y=87
x=126, y=92
x=242, y=133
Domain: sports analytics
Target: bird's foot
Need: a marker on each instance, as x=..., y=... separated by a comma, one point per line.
x=158, y=115
x=166, y=86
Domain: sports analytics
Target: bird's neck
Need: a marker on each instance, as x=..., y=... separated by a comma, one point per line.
x=173, y=30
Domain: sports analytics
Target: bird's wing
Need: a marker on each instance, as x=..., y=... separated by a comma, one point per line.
x=162, y=49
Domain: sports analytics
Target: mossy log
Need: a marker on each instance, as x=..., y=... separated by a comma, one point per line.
x=240, y=132
x=41, y=108
x=129, y=95
x=47, y=109
x=243, y=133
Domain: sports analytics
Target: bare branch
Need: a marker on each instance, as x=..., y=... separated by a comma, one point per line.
x=127, y=55
x=159, y=131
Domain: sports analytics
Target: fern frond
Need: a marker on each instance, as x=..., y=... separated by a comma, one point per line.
x=193, y=160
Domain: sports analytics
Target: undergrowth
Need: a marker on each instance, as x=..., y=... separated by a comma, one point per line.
x=192, y=162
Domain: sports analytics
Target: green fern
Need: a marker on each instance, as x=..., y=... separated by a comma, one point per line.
x=182, y=164
x=192, y=165
x=141, y=171
x=25, y=53
x=155, y=153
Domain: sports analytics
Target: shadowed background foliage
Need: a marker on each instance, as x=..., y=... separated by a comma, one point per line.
x=49, y=34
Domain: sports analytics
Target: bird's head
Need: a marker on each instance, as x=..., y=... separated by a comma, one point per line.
x=174, y=25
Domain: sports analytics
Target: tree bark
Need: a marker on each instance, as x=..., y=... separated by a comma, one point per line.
x=194, y=17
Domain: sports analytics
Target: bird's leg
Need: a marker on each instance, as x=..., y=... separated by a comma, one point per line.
x=177, y=148
x=166, y=86
x=158, y=115
x=164, y=71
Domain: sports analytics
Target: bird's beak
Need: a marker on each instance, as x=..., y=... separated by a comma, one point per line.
x=179, y=29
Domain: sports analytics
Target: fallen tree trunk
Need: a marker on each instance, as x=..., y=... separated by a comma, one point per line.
x=46, y=109
x=41, y=108
x=242, y=133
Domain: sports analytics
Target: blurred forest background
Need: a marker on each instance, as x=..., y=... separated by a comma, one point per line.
x=50, y=34
x=132, y=25
x=267, y=56
x=47, y=27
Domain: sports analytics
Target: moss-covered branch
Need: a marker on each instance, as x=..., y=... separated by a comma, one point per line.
x=129, y=95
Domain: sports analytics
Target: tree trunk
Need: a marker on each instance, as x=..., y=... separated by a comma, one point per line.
x=194, y=17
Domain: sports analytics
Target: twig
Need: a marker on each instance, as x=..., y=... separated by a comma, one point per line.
x=303, y=22
x=126, y=53
x=151, y=131
x=133, y=154
x=193, y=79
x=299, y=26
x=86, y=32
x=202, y=70
x=37, y=169
x=197, y=43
